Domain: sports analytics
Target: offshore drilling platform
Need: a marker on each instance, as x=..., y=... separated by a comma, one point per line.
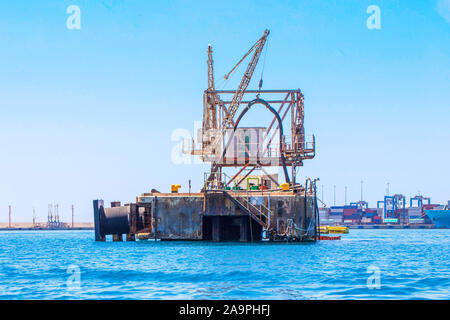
x=241, y=200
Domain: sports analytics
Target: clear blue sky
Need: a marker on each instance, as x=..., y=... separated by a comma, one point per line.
x=89, y=113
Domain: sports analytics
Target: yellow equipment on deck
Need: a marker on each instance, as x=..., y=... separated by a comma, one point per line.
x=284, y=186
x=174, y=188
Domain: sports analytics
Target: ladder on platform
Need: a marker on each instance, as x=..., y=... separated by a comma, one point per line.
x=260, y=213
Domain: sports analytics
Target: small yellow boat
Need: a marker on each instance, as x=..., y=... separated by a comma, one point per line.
x=143, y=236
x=332, y=229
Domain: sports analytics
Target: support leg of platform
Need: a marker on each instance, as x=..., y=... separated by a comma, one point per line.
x=98, y=209
x=117, y=237
x=244, y=229
x=216, y=228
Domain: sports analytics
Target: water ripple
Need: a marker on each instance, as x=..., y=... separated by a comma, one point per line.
x=413, y=264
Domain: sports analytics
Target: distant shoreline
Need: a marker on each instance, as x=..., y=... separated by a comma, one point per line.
x=390, y=226
x=4, y=226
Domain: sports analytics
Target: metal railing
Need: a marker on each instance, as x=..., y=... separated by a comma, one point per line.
x=249, y=150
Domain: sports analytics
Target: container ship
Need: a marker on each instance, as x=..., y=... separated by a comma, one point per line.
x=440, y=217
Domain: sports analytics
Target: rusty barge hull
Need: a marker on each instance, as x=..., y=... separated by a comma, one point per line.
x=216, y=215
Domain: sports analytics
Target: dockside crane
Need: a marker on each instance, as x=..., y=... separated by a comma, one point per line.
x=215, y=139
x=212, y=135
x=219, y=120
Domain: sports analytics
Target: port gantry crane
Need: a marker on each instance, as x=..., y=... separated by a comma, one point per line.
x=219, y=127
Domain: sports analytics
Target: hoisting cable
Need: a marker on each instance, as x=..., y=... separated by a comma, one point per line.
x=262, y=70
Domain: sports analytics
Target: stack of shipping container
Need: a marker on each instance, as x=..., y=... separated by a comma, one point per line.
x=350, y=214
x=356, y=215
x=336, y=214
x=415, y=215
x=324, y=215
x=372, y=216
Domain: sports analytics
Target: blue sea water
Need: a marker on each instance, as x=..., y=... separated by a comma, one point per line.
x=411, y=264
